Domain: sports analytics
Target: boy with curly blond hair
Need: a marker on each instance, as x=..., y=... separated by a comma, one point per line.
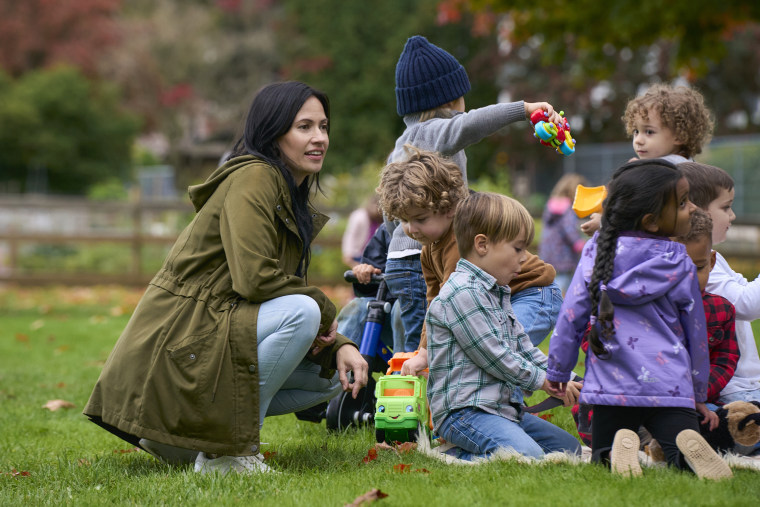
x=670, y=122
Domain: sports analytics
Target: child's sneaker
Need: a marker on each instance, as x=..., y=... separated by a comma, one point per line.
x=225, y=464
x=624, y=456
x=701, y=457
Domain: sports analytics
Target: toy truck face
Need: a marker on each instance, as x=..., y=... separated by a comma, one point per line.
x=401, y=402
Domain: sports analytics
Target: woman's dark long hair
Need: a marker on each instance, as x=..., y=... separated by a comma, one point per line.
x=637, y=189
x=270, y=117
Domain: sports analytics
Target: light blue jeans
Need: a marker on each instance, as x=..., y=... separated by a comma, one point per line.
x=351, y=323
x=478, y=434
x=286, y=328
x=406, y=283
x=537, y=309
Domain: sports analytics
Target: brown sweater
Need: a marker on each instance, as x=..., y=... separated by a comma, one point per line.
x=440, y=259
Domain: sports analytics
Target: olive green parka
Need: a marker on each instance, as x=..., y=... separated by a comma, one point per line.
x=184, y=370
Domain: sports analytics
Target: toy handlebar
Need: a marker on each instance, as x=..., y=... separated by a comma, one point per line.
x=551, y=134
x=350, y=277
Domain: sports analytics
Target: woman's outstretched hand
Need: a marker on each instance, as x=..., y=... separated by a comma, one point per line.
x=349, y=360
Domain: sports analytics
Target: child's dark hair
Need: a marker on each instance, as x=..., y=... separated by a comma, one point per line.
x=705, y=182
x=637, y=189
x=701, y=227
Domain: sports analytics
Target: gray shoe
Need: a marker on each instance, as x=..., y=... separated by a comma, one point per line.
x=225, y=464
x=168, y=453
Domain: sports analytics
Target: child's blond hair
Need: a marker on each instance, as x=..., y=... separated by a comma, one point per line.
x=701, y=227
x=498, y=217
x=681, y=109
x=425, y=180
x=567, y=184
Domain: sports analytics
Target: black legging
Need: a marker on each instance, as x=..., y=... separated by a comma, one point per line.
x=664, y=423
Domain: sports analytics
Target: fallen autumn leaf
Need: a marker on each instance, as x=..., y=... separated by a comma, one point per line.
x=54, y=405
x=368, y=497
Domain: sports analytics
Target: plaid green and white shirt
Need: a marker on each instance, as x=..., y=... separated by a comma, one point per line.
x=479, y=354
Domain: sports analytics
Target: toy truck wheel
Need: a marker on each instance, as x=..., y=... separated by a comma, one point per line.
x=380, y=435
x=411, y=436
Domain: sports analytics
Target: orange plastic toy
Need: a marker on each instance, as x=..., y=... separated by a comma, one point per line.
x=588, y=200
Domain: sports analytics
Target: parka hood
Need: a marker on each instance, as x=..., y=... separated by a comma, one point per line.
x=647, y=270
x=199, y=194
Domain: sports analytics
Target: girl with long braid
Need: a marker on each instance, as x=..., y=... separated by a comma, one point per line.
x=637, y=294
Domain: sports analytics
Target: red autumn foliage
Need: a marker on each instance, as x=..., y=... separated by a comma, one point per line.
x=41, y=33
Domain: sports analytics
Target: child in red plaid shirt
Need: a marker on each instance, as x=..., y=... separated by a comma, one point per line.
x=719, y=312
x=720, y=316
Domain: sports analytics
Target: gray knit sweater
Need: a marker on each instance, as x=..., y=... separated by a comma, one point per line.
x=450, y=136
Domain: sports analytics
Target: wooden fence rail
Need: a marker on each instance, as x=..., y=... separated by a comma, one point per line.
x=19, y=227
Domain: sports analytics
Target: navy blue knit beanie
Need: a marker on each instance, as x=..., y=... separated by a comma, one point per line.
x=427, y=77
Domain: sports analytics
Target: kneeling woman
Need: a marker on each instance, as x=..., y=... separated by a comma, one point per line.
x=228, y=331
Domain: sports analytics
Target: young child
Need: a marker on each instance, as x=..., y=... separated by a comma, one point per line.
x=712, y=189
x=430, y=89
x=648, y=363
x=665, y=122
x=561, y=239
x=481, y=362
x=719, y=312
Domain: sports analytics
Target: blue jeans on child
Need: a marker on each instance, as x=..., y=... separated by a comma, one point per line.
x=478, y=434
x=352, y=317
x=406, y=283
x=286, y=328
x=537, y=309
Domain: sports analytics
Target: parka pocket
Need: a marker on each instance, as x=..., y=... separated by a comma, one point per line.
x=193, y=362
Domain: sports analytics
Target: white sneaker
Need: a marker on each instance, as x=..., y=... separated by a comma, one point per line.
x=225, y=464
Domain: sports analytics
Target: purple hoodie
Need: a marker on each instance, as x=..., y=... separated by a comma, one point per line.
x=659, y=355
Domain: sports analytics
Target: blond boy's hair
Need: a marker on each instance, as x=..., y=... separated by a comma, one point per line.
x=498, y=217
x=423, y=180
x=681, y=109
x=567, y=184
x=445, y=112
x=701, y=227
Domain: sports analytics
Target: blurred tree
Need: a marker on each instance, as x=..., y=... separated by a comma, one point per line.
x=697, y=28
x=190, y=68
x=62, y=133
x=350, y=50
x=591, y=75
x=40, y=33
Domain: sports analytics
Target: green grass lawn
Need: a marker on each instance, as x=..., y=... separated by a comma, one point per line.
x=54, y=342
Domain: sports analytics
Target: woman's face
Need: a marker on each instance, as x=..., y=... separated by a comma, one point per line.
x=303, y=147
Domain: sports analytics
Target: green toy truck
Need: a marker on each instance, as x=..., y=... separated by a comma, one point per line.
x=401, y=407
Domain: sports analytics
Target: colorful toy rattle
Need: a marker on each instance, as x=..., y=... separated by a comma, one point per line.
x=550, y=134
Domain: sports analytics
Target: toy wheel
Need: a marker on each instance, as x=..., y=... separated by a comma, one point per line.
x=380, y=435
x=344, y=411
x=411, y=436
